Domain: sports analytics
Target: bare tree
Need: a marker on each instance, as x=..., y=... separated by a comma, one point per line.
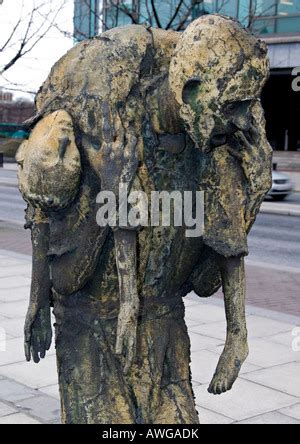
x=167, y=14
x=112, y=13
x=27, y=31
x=176, y=14
x=258, y=14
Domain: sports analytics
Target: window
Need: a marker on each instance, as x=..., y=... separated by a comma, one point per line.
x=281, y=16
x=265, y=16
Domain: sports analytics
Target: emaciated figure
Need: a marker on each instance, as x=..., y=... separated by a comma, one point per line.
x=155, y=110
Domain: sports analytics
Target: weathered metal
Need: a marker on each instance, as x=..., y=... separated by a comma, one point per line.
x=155, y=110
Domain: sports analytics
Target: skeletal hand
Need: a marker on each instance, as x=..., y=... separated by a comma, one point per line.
x=118, y=156
x=38, y=332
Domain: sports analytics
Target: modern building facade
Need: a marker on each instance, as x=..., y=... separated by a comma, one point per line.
x=267, y=17
x=12, y=115
x=86, y=19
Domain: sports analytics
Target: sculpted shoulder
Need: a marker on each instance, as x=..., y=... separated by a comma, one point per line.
x=105, y=66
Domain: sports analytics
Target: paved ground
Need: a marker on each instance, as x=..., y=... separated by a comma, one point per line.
x=275, y=240
x=268, y=390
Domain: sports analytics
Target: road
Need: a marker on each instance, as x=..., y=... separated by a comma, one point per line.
x=8, y=176
x=274, y=240
x=292, y=199
x=12, y=205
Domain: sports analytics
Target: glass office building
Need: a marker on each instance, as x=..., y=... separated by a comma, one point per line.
x=263, y=16
x=86, y=19
x=141, y=11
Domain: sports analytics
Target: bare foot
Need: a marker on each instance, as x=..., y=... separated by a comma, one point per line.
x=229, y=366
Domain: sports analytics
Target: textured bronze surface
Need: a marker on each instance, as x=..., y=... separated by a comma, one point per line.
x=155, y=110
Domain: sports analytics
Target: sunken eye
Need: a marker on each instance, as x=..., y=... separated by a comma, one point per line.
x=237, y=107
x=231, y=107
x=20, y=163
x=190, y=89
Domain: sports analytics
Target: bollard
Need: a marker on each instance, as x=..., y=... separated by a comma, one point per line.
x=1, y=159
x=274, y=166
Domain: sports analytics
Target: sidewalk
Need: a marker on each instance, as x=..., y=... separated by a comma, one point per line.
x=268, y=390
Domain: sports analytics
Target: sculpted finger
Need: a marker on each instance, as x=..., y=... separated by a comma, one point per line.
x=224, y=388
x=218, y=390
x=119, y=141
x=211, y=388
x=44, y=345
x=130, y=148
x=35, y=355
x=43, y=353
x=106, y=150
x=107, y=128
x=27, y=351
x=27, y=334
x=48, y=339
x=27, y=330
x=35, y=350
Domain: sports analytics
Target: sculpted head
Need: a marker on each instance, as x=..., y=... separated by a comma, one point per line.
x=49, y=163
x=217, y=73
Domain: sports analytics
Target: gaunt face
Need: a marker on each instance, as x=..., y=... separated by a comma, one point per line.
x=217, y=74
x=210, y=123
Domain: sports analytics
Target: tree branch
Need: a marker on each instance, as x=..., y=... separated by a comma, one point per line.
x=31, y=39
x=158, y=22
x=177, y=10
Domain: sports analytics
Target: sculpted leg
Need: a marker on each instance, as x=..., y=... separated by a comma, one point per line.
x=126, y=250
x=236, y=347
x=92, y=385
x=38, y=332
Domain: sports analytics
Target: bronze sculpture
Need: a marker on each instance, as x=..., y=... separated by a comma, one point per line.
x=155, y=110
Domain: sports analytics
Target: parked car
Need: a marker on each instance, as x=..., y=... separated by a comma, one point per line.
x=282, y=186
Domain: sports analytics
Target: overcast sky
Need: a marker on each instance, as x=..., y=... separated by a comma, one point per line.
x=29, y=72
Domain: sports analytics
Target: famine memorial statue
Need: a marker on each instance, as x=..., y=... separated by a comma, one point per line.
x=136, y=111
